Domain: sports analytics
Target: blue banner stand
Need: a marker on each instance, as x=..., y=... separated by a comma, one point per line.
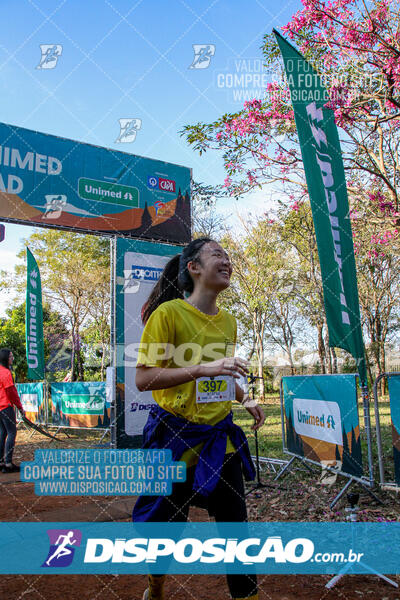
x=366, y=483
x=387, y=485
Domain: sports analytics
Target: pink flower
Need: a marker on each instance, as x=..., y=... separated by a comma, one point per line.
x=296, y=206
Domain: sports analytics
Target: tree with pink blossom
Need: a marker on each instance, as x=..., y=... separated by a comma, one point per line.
x=355, y=48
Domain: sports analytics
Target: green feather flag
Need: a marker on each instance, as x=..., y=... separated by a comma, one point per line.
x=323, y=165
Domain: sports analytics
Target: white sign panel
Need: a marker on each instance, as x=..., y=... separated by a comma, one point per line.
x=110, y=384
x=141, y=273
x=30, y=402
x=318, y=419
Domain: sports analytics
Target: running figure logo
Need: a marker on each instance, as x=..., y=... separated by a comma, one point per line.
x=61, y=551
x=202, y=56
x=128, y=130
x=54, y=206
x=131, y=285
x=50, y=55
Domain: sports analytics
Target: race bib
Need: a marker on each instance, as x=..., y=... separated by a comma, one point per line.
x=215, y=389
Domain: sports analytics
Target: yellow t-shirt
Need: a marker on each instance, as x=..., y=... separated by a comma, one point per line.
x=177, y=335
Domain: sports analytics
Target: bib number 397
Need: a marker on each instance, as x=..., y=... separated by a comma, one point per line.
x=215, y=389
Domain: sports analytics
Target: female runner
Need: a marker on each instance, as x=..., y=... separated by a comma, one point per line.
x=186, y=343
x=8, y=399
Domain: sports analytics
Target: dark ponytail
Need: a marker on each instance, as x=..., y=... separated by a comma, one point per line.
x=166, y=288
x=175, y=278
x=4, y=357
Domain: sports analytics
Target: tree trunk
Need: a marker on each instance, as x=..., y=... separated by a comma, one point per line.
x=292, y=367
x=103, y=360
x=383, y=365
x=73, y=370
x=260, y=354
x=321, y=347
x=369, y=369
x=79, y=362
x=262, y=383
x=328, y=353
x=379, y=352
x=334, y=360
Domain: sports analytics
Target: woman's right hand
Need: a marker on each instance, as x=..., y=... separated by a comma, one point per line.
x=235, y=366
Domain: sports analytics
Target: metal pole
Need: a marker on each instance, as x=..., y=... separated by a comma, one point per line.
x=257, y=459
x=255, y=433
x=378, y=429
x=282, y=416
x=367, y=423
x=46, y=402
x=251, y=379
x=113, y=358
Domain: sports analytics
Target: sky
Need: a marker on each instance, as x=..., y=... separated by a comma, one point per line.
x=133, y=59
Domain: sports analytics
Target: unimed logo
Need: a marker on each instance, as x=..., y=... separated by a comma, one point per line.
x=318, y=419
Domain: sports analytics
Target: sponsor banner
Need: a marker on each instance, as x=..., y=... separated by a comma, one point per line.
x=141, y=273
x=204, y=548
x=51, y=181
x=80, y=404
x=138, y=268
x=160, y=183
x=318, y=419
x=33, y=402
x=103, y=472
x=33, y=319
x=86, y=404
x=326, y=182
x=394, y=398
x=321, y=420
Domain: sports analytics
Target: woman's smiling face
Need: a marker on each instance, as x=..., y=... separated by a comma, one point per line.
x=213, y=267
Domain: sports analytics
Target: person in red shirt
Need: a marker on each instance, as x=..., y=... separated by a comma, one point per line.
x=8, y=399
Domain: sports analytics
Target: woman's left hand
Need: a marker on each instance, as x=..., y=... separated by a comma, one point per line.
x=259, y=417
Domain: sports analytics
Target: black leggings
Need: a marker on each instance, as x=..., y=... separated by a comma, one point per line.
x=226, y=504
x=8, y=433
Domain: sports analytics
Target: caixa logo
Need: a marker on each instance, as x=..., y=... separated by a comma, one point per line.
x=160, y=183
x=136, y=406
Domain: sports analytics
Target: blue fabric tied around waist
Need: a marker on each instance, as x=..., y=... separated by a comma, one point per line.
x=165, y=430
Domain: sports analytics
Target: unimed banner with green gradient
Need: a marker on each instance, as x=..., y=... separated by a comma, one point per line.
x=51, y=181
x=394, y=396
x=321, y=420
x=34, y=320
x=80, y=404
x=323, y=165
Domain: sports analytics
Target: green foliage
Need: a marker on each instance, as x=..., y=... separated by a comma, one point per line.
x=75, y=272
x=261, y=291
x=12, y=335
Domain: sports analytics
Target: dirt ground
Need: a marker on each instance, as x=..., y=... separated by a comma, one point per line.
x=298, y=497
